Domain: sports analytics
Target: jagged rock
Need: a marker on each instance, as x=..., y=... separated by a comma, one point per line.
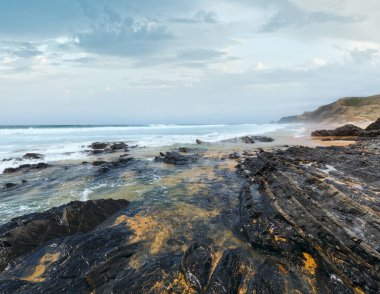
x=346, y=130
x=374, y=126
x=102, y=147
x=176, y=158
x=199, y=142
x=26, y=167
x=196, y=266
x=25, y=234
x=350, y=130
x=231, y=274
x=33, y=156
x=269, y=279
x=303, y=206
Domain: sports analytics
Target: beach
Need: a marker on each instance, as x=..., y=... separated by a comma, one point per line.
x=182, y=192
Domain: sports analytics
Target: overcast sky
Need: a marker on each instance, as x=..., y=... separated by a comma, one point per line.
x=172, y=61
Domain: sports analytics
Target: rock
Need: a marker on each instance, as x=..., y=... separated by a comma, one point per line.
x=350, y=131
x=9, y=185
x=183, y=149
x=301, y=206
x=104, y=170
x=7, y=159
x=263, y=139
x=346, y=130
x=26, y=167
x=199, y=142
x=269, y=279
x=98, y=145
x=375, y=126
x=33, y=156
x=247, y=153
x=118, y=146
x=99, y=162
x=234, y=155
x=176, y=158
x=25, y=234
x=196, y=266
x=231, y=274
x=41, y=165
x=248, y=139
x=103, y=147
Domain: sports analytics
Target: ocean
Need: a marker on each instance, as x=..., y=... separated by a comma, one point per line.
x=59, y=143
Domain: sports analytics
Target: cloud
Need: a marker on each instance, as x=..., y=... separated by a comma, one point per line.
x=200, y=54
x=122, y=35
x=289, y=14
x=19, y=49
x=202, y=16
x=363, y=55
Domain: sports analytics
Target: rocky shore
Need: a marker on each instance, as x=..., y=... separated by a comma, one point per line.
x=290, y=220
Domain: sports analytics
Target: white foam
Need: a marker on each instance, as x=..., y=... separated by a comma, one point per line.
x=69, y=143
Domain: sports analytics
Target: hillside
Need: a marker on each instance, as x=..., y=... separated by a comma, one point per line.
x=352, y=109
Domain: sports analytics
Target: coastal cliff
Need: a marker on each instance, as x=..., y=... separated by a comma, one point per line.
x=353, y=109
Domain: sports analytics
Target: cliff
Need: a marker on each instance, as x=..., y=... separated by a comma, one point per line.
x=352, y=109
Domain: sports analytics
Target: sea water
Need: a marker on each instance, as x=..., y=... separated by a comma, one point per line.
x=59, y=143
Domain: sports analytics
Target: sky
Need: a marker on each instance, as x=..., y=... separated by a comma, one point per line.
x=173, y=61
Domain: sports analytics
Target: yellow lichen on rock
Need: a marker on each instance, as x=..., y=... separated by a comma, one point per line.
x=310, y=264
x=45, y=261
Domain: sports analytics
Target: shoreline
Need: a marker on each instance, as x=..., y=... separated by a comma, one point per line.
x=214, y=208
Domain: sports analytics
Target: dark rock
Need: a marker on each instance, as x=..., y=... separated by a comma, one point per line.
x=269, y=279
x=98, y=145
x=350, y=131
x=346, y=130
x=263, y=139
x=104, y=170
x=118, y=146
x=124, y=161
x=247, y=153
x=230, y=274
x=33, y=156
x=99, y=162
x=41, y=165
x=7, y=159
x=26, y=167
x=9, y=185
x=183, y=149
x=234, y=155
x=102, y=147
x=248, y=139
x=176, y=158
x=24, y=234
x=300, y=206
x=196, y=266
x=374, y=126
x=199, y=142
